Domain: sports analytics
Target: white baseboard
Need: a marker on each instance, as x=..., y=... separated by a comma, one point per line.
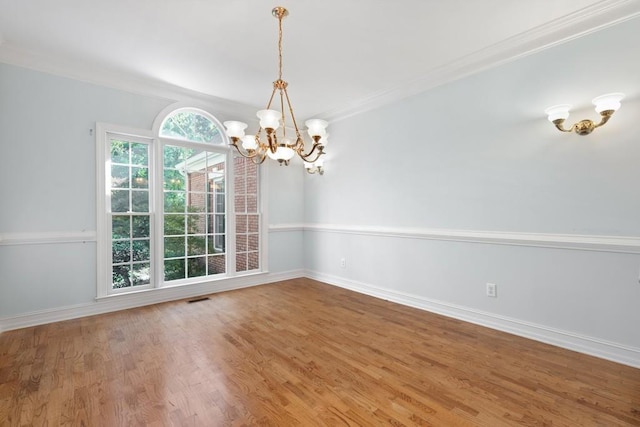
x=618, y=353
x=588, y=345
x=142, y=298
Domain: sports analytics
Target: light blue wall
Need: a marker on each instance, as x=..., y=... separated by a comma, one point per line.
x=478, y=154
x=49, y=181
x=286, y=207
x=47, y=148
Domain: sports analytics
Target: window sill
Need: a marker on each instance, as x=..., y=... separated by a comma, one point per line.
x=189, y=289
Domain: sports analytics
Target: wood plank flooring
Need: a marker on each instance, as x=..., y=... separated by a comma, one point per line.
x=300, y=353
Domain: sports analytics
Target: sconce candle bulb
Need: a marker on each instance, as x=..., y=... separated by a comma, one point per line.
x=606, y=105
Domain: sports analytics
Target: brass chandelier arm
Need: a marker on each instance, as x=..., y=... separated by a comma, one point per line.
x=293, y=117
x=273, y=94
x=307, y=157
x=260, y=159
x=272, y=139
x=249, y=154
x=284, y=128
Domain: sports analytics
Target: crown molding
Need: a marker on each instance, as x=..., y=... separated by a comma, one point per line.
x=103, y=76
x=593, y=18
x=570, y=27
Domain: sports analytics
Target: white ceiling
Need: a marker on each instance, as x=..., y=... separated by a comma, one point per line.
x=339, y=56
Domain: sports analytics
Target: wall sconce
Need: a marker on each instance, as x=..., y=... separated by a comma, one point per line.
x=315, y=167
x=606, y=105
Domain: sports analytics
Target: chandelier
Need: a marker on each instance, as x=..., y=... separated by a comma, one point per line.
x=271, y=139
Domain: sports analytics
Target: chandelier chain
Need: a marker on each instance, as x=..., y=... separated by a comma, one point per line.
x=280, y=47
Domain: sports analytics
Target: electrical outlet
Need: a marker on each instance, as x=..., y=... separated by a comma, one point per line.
x=492, y=290
x=343, y=262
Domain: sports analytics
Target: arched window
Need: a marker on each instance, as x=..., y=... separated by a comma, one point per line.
x=191, y=124
x=178, y=207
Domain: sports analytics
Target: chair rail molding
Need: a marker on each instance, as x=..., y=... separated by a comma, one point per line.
x=47, y=237
x=619, y=244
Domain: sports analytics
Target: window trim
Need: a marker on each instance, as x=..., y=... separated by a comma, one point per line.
x=161, y=142
x=104, y=241
x=103, y=228
x=187, y=107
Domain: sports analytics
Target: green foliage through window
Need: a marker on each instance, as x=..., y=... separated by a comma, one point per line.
x=192, y=127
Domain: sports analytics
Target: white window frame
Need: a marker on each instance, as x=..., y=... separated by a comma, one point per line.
x=156, y=207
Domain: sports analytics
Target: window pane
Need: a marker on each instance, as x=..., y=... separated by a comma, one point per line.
x=197, y=202
x=174, y=225
x=174, y=201
x=241, y=223
x=140, y=177
x=252, y=184
x=140, y=201
x=247, y=215
x=174, y=269
x=241, y=203
x=120, y=228
x=196, y=224
x=253, y=261
x=252, y=204
x=140, y=274
x=120, y=276
x=119, y=151
x=201, y=174
x=241, y=262
x=141, y=226
x=173, y=156
x=217, y=264
x=240, y=185
x=119, y=176
x=174, y=247
x=253, y=223
x=219, y=203
x=241, y=243
x=216, y=224
x=197, y=181
x=191, y=126
x=120, y=251
x=216, y=243
x=173, y=180
x=141, y=250
x=139, y=154
x=120, y=201
x=197, y=266
x=252, y=243
x=197, y=245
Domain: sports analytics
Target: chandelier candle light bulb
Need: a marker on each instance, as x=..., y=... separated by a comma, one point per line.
x=275, y=144
x=315, y=167
x=606, y=105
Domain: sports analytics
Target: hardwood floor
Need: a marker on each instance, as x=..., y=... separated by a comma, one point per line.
x=300, y=353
